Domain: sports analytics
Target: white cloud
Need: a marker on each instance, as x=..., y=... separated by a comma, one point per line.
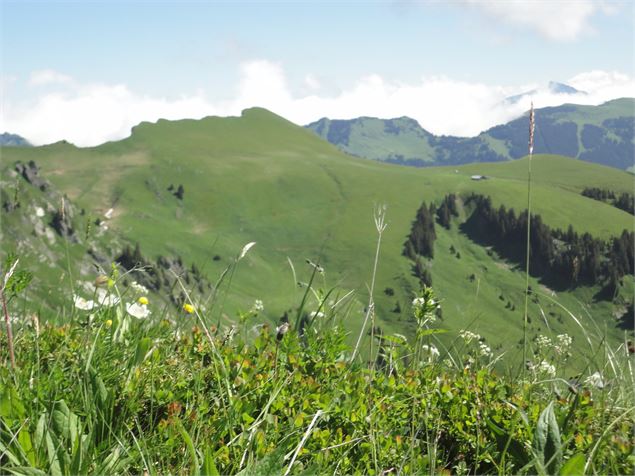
x=312, y=82
x=48, y=76
x=556, y=20
x=90, y=114
x=605, y=84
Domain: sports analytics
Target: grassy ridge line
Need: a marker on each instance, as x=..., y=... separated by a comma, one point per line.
x=260, y=178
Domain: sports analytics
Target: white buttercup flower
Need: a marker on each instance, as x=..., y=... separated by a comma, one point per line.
x=106, y=299
x=595, y=380
x=431, y=351
x=140, y=311
x=83, y=304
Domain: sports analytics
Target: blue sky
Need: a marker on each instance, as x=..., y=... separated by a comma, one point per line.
x=132, y=61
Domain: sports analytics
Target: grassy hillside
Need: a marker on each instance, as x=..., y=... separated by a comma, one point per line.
x=260, y=178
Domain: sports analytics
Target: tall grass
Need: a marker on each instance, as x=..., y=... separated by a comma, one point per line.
x=528, y=248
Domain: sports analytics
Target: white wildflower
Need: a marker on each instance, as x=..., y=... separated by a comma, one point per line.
x=485, y=350
x=469, y=336
x=83, y=304
x=545, y=367
x=431, y=351
x=140, y=311
x=543, y=342
x=88, y=286
x=139, y=288
x=418, y=302
x=595, y=380
x=39, y=212
x=258, y=306
x=106, y=299
x=245, y=249
x=316, y=314
x=563, y=342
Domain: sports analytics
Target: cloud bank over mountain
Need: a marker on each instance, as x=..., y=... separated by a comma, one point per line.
x=86, y=114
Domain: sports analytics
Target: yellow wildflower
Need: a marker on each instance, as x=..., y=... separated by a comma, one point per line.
x=143, y=300
x=188, y=308
x=109, y=323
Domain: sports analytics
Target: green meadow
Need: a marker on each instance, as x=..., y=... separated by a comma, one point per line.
x=260, y=178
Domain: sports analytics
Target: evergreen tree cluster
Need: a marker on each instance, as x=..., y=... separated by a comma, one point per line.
x=446, y=210
x=566, y=258
x=624, y=201
x=179, y=192
x=420, y=242
x=422, y=234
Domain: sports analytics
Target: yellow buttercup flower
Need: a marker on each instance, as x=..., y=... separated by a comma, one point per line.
x=188, y=308
x=109, y=323
x=143, y=300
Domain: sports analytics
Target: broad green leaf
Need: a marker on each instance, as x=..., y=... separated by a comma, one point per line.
x=574, y=466
x=547, y=442
x=65, y=423
x=55, y=466
x=24, y=439
x=10, y=404
x=144, y=348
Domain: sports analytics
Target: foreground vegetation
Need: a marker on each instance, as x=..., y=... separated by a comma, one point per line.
x=102, y=391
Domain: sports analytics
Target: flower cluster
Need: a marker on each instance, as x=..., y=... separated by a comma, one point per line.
x=543, y=342
x=139, y=288
x=101, y=297
x=425, y=307
x=257, y=307
x=563, y=343
x=484, y=350
x=430, y=351
x=105, y=297
x=543, y=367
x=469, y=336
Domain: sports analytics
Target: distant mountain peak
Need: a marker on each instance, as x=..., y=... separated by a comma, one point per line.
x=561, y=88
x=553, y=87
x=13, y=140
